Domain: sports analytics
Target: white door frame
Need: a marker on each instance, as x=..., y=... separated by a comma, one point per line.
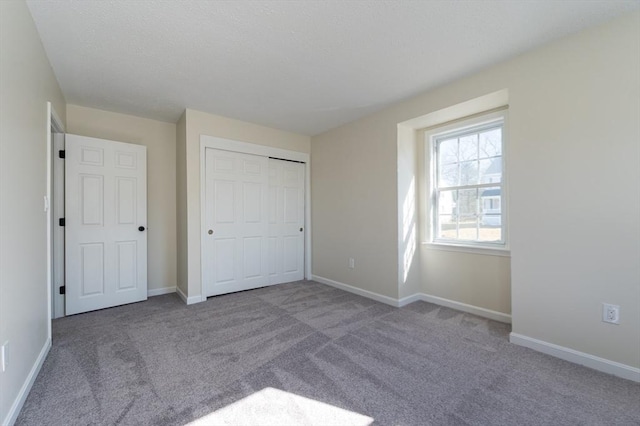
x=53, y=121
x=265, y=151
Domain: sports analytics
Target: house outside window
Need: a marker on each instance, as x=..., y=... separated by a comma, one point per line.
x=467, y=183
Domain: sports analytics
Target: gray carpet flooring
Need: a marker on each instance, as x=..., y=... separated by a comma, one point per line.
x=307, y=354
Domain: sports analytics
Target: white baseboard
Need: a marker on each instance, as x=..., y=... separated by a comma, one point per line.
x=355, y=290
x=188, y=300
x=410, y=299
x=12, y=415
x=159, y=291
x=577, y=357
x=398, y=303
x=476, y=310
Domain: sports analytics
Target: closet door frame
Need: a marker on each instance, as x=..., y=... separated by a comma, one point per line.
x=207, y=141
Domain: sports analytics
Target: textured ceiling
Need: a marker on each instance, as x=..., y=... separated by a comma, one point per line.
x=303, y=66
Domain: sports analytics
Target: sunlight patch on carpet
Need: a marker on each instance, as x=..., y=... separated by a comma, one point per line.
x=276, y=407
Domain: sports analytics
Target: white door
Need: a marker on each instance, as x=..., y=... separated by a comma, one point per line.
x=235, y=233
x=106, y=217
x=286, y=221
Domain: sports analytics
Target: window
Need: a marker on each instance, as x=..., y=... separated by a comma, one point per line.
x=467, y=183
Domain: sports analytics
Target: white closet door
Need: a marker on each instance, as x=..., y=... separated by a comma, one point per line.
x=106, y=217
x=236, y=222
x=286, y=221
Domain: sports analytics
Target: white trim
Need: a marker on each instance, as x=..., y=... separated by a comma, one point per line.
x=577, y=357
x=430, y=137
x=56, y=122
x=12, y=415
x=307, y=218
x=409, y=299
x=355, y=290
x=160, y=291
x=398, y=303
x=189, y=300
x=486, y=251
x=459, y=306
x=49, y=215
x=207, y=141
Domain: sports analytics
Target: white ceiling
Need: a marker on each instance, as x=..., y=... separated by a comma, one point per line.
x=303, y=66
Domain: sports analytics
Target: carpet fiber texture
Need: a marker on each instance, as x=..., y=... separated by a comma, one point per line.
x=308, y=354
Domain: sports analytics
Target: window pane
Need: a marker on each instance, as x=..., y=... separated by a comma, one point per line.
x=468, y=214
x=447, y=227
x=447, y=203
x=469, y=147
x=491, y=214
x=468, y=203
x=448, y=175
x=448, y=151
x=491, y=143
x=491, y=170
x=447, y=216
x=490, y=234
x=469, y=172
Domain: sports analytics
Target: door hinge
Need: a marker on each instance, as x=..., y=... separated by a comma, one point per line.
x=61, y=153
x=63, y=289
x=61, y=221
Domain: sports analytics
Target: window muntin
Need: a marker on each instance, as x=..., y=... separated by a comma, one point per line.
x=468, y=186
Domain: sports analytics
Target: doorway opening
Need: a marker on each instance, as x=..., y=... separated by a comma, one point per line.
x=54, y=205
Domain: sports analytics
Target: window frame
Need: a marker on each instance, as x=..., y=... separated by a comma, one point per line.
x=432, y=135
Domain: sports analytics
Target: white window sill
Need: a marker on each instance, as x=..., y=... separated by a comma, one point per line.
x=486, y=251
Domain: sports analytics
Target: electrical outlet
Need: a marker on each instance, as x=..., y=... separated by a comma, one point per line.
x=611, y=313
x=4, y=356
x=352, y=263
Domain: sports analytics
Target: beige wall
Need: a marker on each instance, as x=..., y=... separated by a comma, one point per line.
x=26, y=83
x=576, y=148
x=473, y=279
x=199, y=123
x=574, y=180
x=181, y=200
x=353, y=201
x=160, y=139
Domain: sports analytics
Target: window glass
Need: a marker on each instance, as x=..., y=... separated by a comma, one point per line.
x=468, y=187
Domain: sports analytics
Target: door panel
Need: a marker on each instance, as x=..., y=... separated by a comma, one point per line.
x=105, y=203
x=252, y=251
x=92, y=269
x=253, y=210
x=92, y=199
x=235, y=234
x=126, y=200
x=254, y=220
x=286, y=221
x=127, y=264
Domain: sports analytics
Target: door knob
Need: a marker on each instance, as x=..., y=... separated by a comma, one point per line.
x=140, y=228
x=301, y=229
x=210, y=232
